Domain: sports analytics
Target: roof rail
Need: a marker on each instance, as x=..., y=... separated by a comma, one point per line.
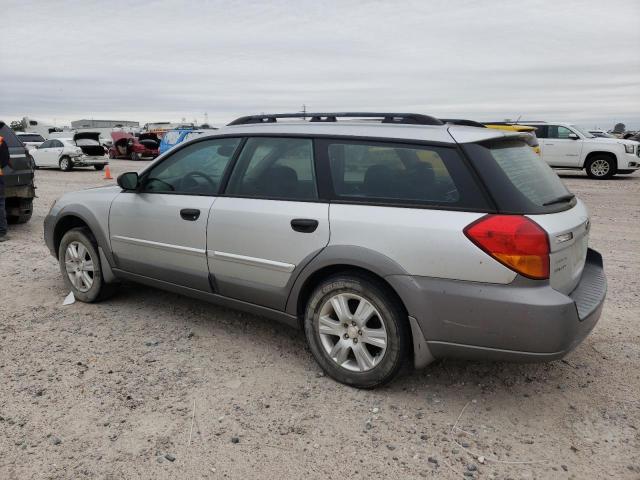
x=519, y=122
x=461, y=121
x=399, y=118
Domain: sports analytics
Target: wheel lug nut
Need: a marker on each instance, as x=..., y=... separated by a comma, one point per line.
x=359, y=332
x=355, y=340
x=345, y=325
x=353, y=323
x=346, y=336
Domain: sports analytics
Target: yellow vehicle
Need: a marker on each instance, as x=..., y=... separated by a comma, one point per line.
x=533, y=143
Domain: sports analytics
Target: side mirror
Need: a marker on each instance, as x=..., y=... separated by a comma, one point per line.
x=129, y=181
x=573, y=136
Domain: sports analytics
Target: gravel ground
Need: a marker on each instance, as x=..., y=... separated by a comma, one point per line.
x=153, y=385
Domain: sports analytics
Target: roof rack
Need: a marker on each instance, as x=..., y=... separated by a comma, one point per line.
x=399, y=118
x=461, y=121
x=519, y=122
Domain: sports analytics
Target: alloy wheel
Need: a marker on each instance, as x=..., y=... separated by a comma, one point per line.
x=79, y=266
x=600, y=168
x=352, y=332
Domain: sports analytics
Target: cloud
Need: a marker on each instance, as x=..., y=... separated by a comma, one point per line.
x=574, y=60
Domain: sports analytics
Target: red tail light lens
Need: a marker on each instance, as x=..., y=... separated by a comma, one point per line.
x=515, y=241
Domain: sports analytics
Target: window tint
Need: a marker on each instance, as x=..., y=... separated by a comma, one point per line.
x=194, y=170
x=9, y=137
x=46, y=144
x=31, y=137
x=57, y=144
x=400, y=173
x=528, y=173
x=275, y=168
x=556, y=131
x=541, y=131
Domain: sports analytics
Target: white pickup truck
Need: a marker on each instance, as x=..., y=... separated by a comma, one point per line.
x=564, y=145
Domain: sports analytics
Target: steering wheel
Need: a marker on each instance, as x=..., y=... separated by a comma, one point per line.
x=205, y=177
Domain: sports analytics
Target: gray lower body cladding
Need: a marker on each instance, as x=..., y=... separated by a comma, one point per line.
x=523, y=321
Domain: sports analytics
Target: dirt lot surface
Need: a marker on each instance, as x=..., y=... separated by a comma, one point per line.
x=153, y=385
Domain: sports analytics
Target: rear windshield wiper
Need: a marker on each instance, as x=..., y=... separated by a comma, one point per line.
x=563, y=198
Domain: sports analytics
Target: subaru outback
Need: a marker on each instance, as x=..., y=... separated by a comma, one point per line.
x=386, y=237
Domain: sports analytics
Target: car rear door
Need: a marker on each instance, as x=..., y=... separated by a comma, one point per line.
x=44, y=153
x=160, y=231
x=269, y=223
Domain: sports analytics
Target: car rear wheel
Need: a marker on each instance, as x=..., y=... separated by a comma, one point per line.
x=356, y=330
x=135, y=156
x=99, y=167
x=601, y=167
x=66, y=164
x=112, y=154
x=80, y=266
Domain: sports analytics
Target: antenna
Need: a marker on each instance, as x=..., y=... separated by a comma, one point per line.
x=518, y=119
x=304, y=111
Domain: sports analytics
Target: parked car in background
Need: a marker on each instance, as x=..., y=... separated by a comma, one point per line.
x=30, y=140
x=173, y=137
x=91, y=146
x=63, y=153
x=601, y=134
x=401, y=239
x=19, y=187
x=566, y=146
x=126, y=145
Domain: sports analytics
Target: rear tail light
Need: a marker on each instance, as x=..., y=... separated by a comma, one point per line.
x=515, y=241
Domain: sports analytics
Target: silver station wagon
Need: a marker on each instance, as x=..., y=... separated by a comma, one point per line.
x=386, y=237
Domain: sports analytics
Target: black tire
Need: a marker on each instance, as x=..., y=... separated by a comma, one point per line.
x=66, y=165
x=26, y=209
x=596, y=167
x=135, y=156
x=395, y=323
x=99, y=289
x=99, y=167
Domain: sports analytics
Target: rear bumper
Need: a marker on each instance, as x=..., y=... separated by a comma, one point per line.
x=523, y=321
x=89, y=161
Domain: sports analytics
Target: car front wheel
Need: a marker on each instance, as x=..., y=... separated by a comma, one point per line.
x=356, y=330
x=80, y=266
x=602, y=167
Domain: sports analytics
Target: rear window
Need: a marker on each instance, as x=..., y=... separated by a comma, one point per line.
x=10, y=138
x=397, y=173
x=519, y=180
x=31, y=137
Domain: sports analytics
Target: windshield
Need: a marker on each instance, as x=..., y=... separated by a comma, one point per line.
x=582, y=131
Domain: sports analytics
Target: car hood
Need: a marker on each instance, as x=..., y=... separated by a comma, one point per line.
x=120, y=135
x=148, y=136
x=611, y=141
x=89, y=135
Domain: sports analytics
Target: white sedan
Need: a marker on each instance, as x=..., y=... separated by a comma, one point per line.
x=63, y=153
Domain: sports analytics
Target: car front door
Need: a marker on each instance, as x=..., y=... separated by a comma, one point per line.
x=160, y=230
x=269, y=222
x=559, y=149
x=44, y=155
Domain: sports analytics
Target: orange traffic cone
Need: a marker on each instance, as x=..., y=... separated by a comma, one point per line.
x=107, y=173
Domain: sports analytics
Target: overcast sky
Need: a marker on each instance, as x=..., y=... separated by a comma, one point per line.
x=162, y=61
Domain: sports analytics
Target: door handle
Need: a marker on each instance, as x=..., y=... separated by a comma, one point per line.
x=190, y=214
x=304, y=225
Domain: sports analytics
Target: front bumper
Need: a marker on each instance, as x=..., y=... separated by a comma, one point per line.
x=630, y=161
x=524, y=321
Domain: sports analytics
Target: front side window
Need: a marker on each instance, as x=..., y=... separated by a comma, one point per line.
x=278, y=168
x=395, y=173
x=46, y=144
x=194, y=170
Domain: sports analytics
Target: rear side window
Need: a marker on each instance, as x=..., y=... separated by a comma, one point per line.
x=397, y=173
x=278, y=168
x=519, y=180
